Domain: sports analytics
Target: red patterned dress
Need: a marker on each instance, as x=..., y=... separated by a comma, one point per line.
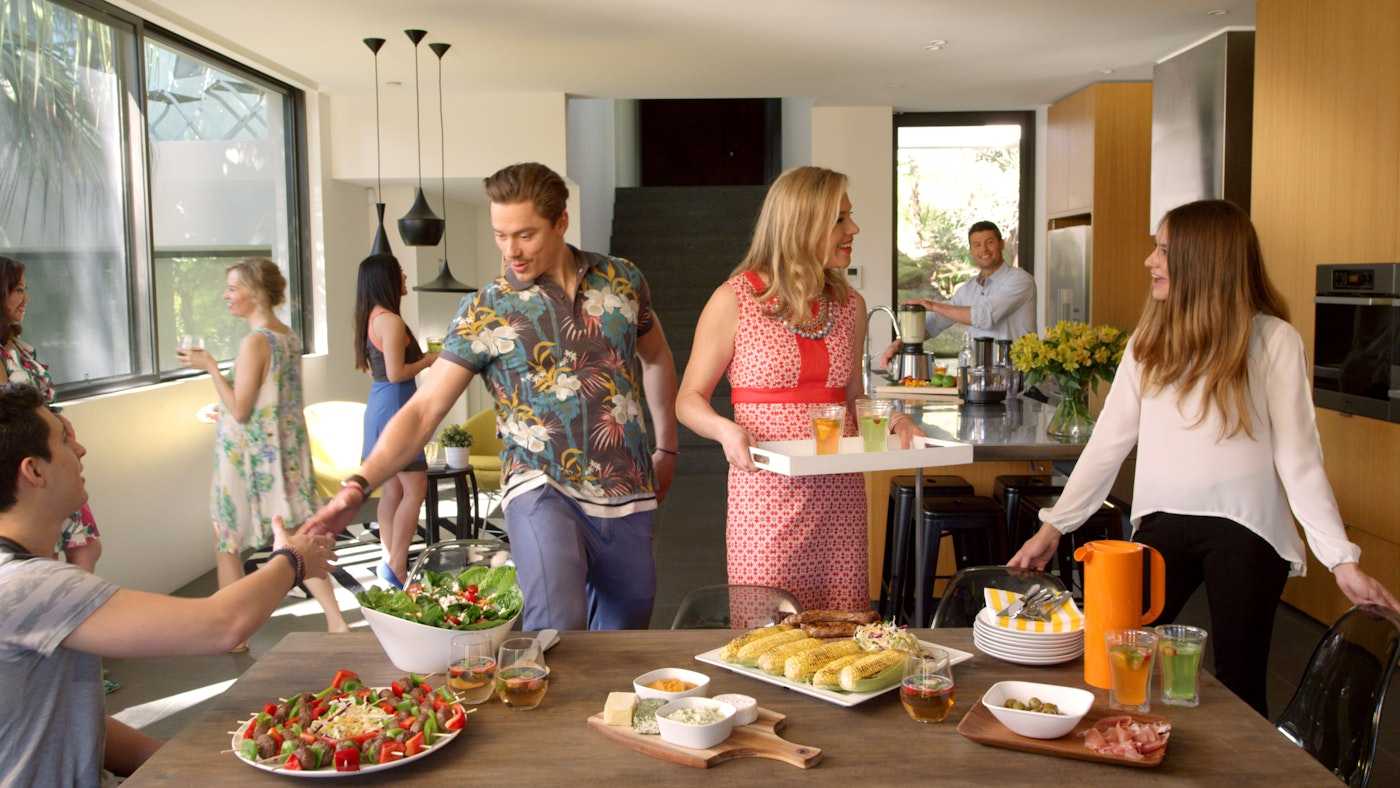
x=804, y=534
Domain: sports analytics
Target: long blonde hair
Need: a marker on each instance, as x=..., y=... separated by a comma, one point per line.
x=790, y=241
x=1199, y=336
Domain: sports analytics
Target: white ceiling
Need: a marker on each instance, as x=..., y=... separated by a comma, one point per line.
x=1001, y=54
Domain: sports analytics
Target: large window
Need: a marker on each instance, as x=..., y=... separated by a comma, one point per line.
x=134, y=169
x=953, y=169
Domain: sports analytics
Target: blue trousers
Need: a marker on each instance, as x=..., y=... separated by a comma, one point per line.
x=579, y=571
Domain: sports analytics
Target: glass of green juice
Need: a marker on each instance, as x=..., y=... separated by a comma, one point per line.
x=1179, y=650
x=873, y=417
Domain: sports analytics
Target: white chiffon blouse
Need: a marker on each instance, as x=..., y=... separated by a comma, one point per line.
x=1189, y=468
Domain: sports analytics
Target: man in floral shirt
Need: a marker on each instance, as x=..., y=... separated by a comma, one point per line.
x=567, y=342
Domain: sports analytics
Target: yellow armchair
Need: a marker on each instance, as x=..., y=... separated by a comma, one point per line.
x=486, y=449
x=336, y=432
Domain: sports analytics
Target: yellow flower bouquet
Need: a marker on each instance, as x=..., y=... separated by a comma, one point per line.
x=1076, y=356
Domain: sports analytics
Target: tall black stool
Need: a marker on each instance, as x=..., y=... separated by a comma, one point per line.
x=973, y=522
x=1008, y=491
x=899, y=530
x=1109, y=522
x=468, y=524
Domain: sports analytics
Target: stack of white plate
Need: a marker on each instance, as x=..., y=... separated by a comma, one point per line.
x=1025, y=648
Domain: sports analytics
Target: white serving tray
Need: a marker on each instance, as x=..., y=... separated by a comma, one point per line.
x=800, y=458
x=846, y=699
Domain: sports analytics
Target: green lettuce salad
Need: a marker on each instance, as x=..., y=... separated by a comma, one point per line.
x=477, y=598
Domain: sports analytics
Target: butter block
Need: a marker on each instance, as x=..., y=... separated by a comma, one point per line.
x=618, y=709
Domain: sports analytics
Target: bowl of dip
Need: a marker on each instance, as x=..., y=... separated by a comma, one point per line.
x=696, y=723
x=671, y=684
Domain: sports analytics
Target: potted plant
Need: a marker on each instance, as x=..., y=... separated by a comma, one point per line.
x=1076, y=356
x=456, y=444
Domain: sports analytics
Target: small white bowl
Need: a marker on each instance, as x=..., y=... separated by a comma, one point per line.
x=696, y=737
x=745, y=708
x=700, y=680
x=1074, y=703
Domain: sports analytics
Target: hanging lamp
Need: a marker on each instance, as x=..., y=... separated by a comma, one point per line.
x=380, y=245
x=445, y=282
x=420, y=226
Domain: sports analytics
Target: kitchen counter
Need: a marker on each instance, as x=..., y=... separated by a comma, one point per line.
x=1013, y=430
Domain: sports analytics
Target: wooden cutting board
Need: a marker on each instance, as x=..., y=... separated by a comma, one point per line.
x=980, y=726
x=758, y=739
x=915, y=391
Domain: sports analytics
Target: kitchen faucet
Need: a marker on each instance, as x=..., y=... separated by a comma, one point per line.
x=865, y=362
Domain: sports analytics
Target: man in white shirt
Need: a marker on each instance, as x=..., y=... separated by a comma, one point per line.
x=999, y=302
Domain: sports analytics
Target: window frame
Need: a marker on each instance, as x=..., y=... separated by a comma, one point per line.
x=136, y=183
x=1026, y=213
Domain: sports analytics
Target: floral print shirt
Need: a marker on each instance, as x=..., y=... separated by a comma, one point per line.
x=566, y=380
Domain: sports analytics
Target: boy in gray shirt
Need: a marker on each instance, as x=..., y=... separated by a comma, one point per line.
x=58, y=621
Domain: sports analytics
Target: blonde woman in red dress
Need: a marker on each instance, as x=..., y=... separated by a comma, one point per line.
x=788, y=329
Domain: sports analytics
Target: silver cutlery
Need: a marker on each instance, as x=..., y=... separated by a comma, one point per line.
x=1030, y=598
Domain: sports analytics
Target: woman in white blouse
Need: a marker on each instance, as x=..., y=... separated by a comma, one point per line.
x=1213, y=391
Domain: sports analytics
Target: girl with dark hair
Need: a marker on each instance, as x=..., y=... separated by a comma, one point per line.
x=1213, y=391
x=80, y=542
x=387, y=349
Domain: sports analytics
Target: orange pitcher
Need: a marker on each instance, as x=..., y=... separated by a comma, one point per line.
x=1113, y=598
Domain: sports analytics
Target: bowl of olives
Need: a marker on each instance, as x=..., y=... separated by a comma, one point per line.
x=1037, y=711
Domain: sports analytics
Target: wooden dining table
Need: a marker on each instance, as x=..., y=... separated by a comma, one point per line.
x=1222, y=741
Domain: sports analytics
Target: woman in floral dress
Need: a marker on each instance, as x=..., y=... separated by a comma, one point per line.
x=788, y=329
x=80, y=542
x=262, y=459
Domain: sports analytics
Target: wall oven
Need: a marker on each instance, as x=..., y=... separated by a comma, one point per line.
x=1356, y=339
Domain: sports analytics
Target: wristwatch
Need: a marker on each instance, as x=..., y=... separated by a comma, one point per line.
x=356, y=480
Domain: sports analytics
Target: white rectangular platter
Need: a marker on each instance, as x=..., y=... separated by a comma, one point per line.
x=800, y=458
x=847, y=699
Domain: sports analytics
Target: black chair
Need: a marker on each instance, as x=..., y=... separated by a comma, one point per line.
x=972, y=521
x=1109, y=522
x=899, y=525
x=1008, y=491
x=734, y=607
x=1336, y=712
x=963, y=598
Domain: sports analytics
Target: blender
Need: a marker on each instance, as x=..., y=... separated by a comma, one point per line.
x=911, y=361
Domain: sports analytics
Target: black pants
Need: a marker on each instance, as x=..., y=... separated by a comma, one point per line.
x=1244, y=579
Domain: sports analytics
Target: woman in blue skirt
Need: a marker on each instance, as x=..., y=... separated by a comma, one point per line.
x=386, y=348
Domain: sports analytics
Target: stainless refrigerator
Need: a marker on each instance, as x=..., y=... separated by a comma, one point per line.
x=1068, y=295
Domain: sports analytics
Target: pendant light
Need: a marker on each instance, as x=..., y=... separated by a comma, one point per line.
x=420, y=226
x=445, y=282
x=380, y=245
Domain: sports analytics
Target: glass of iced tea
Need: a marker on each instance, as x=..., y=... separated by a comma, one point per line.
x=472, y=674
x=1130, y=654
x=873, y=418
x=828, y=422
x=927, y=689
x=522, y=677
x=1179, y=650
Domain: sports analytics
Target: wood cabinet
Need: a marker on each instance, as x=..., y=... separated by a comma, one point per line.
x=1099, y=170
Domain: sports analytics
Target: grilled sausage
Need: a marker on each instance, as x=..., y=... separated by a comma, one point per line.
x=830, y=629
x=825, y=616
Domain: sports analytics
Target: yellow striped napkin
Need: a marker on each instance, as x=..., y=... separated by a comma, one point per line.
x=1066, y=618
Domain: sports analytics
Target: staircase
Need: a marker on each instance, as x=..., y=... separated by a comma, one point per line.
x=687, y=240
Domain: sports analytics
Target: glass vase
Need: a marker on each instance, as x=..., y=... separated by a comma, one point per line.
x=1071, y=421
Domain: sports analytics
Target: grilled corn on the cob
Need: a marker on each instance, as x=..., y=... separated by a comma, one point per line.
x=801, y=666
x=749, y=654
x=828, y=676
x=874, y=672
x=772, y=662
x=732, y=647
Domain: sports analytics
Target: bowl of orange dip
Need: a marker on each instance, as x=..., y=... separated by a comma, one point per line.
x=671, y=683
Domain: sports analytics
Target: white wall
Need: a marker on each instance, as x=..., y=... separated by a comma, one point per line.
x=627, y=139
x=858, y=141
x=592, y=165
x=797, y=132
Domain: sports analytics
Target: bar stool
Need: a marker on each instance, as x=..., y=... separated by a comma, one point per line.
x=973, y=522
x=468, y=525
x=1008, y=491
x=899, y=529
x=1109, y=522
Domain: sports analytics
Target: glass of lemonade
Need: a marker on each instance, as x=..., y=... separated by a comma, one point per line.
x=1130, y=654
x=927, y=690
x=434, y=344
x=873, y=416
x=1179, y=650
x=472, y=674
x=522, y=677
x=431, y=450
x=828, y=422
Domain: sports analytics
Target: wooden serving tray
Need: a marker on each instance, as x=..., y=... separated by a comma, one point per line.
x=980, y=726
x=916, y=391
x=758, y=739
